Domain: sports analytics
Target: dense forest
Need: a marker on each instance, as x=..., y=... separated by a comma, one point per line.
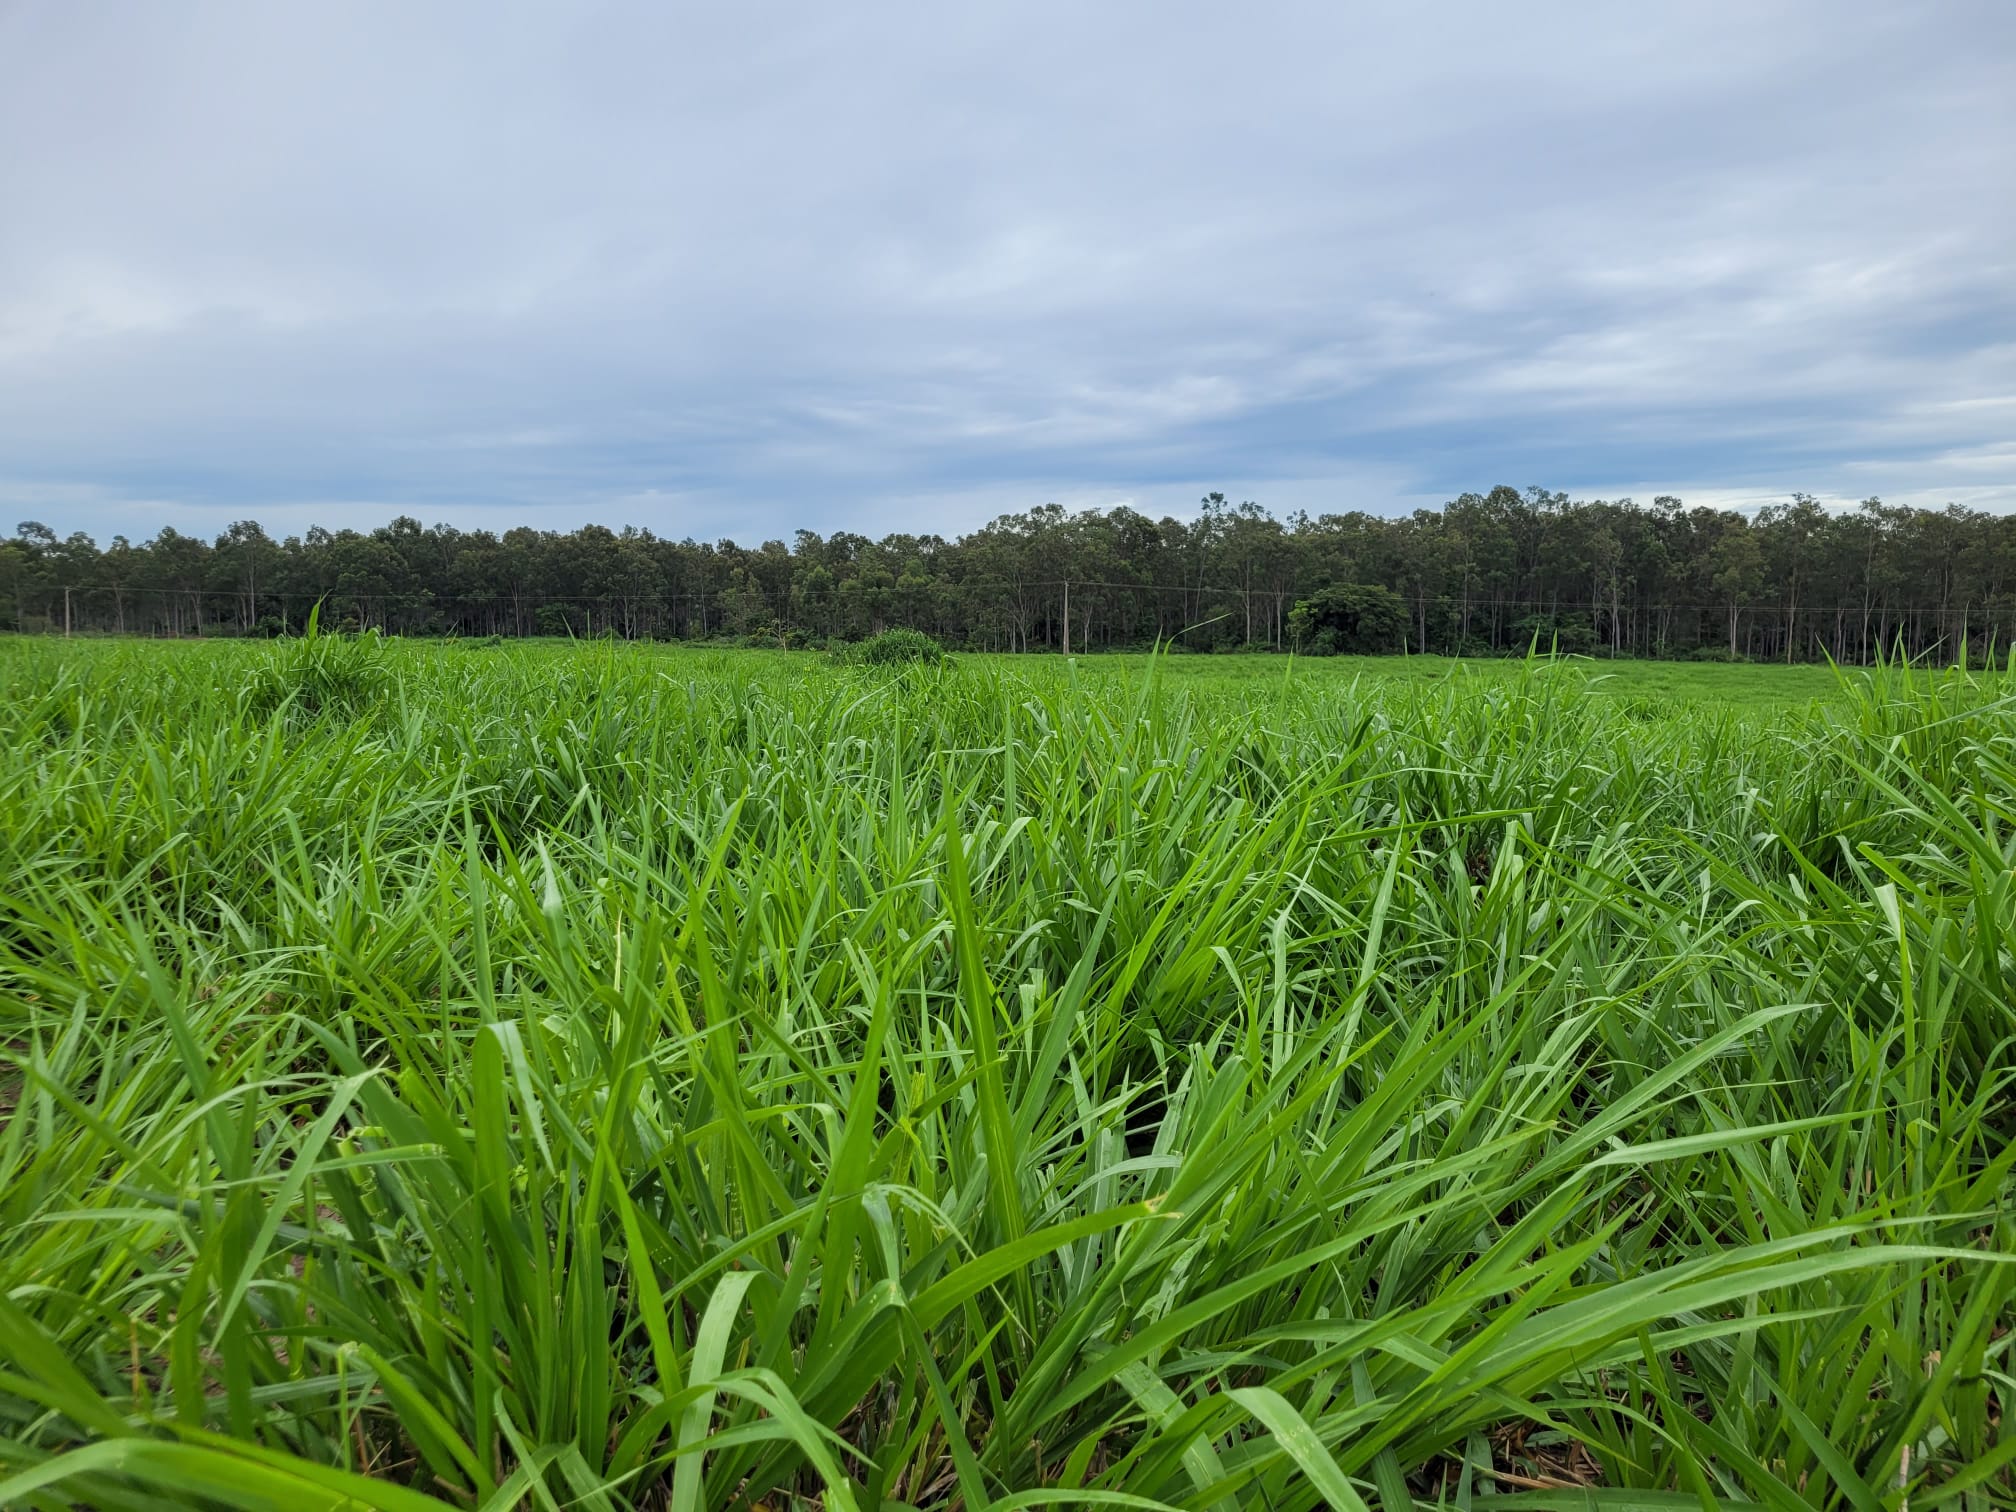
x=1482, y=575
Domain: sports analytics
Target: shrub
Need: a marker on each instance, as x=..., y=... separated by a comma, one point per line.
x=1362, y=618
x=1569, y=635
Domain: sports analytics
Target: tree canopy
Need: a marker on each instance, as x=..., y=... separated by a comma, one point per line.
x=1485, y=573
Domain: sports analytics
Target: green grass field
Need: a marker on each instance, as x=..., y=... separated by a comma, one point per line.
x=603, y=1077
x=1743, y=686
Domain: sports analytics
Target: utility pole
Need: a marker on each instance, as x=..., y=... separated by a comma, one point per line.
x=66, y=611
x=1067, y=616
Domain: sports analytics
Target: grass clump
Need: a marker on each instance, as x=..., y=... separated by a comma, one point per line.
x=632, y=1078
x=318, y=673
x=900, y=647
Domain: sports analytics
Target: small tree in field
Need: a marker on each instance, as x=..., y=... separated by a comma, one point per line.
x=1361, y=619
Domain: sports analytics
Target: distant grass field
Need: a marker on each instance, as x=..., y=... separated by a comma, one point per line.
x=1742, y=685
x=1737, y=686
x=487, y=1076
x=1754, y=686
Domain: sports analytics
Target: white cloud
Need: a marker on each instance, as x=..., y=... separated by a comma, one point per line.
x=765, y=269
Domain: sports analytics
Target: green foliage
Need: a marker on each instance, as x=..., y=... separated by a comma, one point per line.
x=1358, y=619
x=343, y=675
x=619, y=1078
x=900, y=647
x=1565, y=635
x=1484, y=575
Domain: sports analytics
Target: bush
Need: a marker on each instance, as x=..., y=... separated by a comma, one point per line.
x=901, y=647
x=1571, y=635
x=1362, y=618
x=1715, y=654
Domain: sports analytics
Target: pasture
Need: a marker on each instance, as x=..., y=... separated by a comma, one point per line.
x=483, y=1076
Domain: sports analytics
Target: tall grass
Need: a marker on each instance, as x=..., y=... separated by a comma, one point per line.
x=615, y=1080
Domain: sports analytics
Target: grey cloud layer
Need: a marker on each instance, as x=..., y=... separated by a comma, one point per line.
x=898, y=265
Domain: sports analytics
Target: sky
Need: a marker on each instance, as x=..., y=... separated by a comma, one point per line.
x=736, y=270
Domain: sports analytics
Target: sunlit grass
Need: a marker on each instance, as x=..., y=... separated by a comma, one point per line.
x=605, y=1077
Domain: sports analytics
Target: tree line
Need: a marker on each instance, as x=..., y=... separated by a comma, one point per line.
x=1484, y=574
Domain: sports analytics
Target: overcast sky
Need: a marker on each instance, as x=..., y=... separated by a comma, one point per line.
x=734, y=269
